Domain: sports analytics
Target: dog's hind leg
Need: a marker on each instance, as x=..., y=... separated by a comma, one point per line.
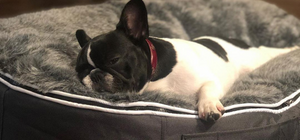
x=273, y=52
x=255, y=57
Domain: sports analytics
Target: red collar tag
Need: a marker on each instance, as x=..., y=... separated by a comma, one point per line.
x=153, y=56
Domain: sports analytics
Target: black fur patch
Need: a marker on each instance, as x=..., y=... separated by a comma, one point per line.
x=236, y=42
x=213, y=46
x=166, y=57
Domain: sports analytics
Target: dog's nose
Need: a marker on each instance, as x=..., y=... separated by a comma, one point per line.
x=96, y=71
x=97, y=75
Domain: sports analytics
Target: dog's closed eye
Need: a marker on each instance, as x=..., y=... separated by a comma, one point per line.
x=114, y=60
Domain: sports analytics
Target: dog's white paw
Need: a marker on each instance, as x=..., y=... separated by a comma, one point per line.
x=210, y=109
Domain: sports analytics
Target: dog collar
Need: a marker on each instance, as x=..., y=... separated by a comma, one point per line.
x=153, y=56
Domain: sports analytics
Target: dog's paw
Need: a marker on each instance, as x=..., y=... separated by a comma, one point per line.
x=210, y=109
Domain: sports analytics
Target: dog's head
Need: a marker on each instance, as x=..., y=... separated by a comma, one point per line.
x=118, y=60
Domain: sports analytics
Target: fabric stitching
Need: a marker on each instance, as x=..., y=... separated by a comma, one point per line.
x=243, y=130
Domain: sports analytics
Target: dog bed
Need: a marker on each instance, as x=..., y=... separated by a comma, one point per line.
x=41, y=97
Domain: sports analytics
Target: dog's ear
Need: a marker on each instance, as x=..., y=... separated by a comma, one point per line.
x=82, y=37
x=133, y=20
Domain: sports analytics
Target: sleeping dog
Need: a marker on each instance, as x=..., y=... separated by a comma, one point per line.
x=127, y=59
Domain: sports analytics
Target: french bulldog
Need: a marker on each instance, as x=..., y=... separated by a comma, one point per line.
x=127, y=59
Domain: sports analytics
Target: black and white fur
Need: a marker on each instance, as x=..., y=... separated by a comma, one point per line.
x=119, y=61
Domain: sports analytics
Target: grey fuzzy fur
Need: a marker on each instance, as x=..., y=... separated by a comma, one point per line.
x=40, y=49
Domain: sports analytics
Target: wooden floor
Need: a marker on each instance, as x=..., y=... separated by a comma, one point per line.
x=291, y=6
x=9, y=8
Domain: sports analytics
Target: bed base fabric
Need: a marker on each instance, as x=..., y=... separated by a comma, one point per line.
x=28, y=114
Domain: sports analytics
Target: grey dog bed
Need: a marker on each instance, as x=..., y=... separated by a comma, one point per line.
x=41, y=96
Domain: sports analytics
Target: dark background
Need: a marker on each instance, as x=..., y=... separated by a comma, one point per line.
x=9, y=8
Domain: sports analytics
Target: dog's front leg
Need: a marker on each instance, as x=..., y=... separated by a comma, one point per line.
x=209, y=106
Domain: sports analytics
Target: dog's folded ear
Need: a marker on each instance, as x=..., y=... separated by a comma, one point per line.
x=133, y=20
x=82, y=37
